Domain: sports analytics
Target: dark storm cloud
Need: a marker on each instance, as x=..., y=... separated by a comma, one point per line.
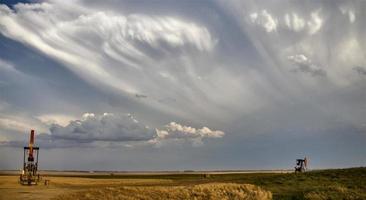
x=107, y=127
x=360, y=70
x=305, y=65
x=110, y=130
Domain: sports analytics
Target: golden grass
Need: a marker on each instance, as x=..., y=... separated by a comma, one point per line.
x=11, y=189
x=208, y=191
x=67, y=188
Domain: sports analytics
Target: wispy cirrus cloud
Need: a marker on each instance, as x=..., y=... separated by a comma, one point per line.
x=264, y=19
x=125, y=53
x=76, y=36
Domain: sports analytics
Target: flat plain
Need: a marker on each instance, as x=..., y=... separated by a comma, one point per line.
x=320, y=184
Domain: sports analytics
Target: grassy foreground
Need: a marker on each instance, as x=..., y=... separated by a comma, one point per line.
x=323, y=184
x=210, y=191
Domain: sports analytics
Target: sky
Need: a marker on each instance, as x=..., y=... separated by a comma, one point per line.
x=183, y=85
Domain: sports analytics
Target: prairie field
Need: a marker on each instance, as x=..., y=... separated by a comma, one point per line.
x=321, y=184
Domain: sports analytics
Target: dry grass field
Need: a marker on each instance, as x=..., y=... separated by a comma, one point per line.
x=70, y=188
x=321, y=184
x=222, y=191
x=11, y=189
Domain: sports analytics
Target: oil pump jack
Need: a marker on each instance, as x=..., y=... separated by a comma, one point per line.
x=30, y=174
x=301, y=165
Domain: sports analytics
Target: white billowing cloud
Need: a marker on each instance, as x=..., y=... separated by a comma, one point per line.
x=315, y=23
x=180, y=133
x=264, y=19
x=299, y=58
x=305, y=65
x=175, y=130
x=295, y=22
x=107, y=127
x=110, y=129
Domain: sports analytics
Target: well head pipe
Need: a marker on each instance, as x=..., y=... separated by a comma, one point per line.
x=31, y=142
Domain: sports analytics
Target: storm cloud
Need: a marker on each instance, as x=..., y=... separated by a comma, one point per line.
x=106, y=127
x=111, y=129
x=360, y=70
x=305, y=65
